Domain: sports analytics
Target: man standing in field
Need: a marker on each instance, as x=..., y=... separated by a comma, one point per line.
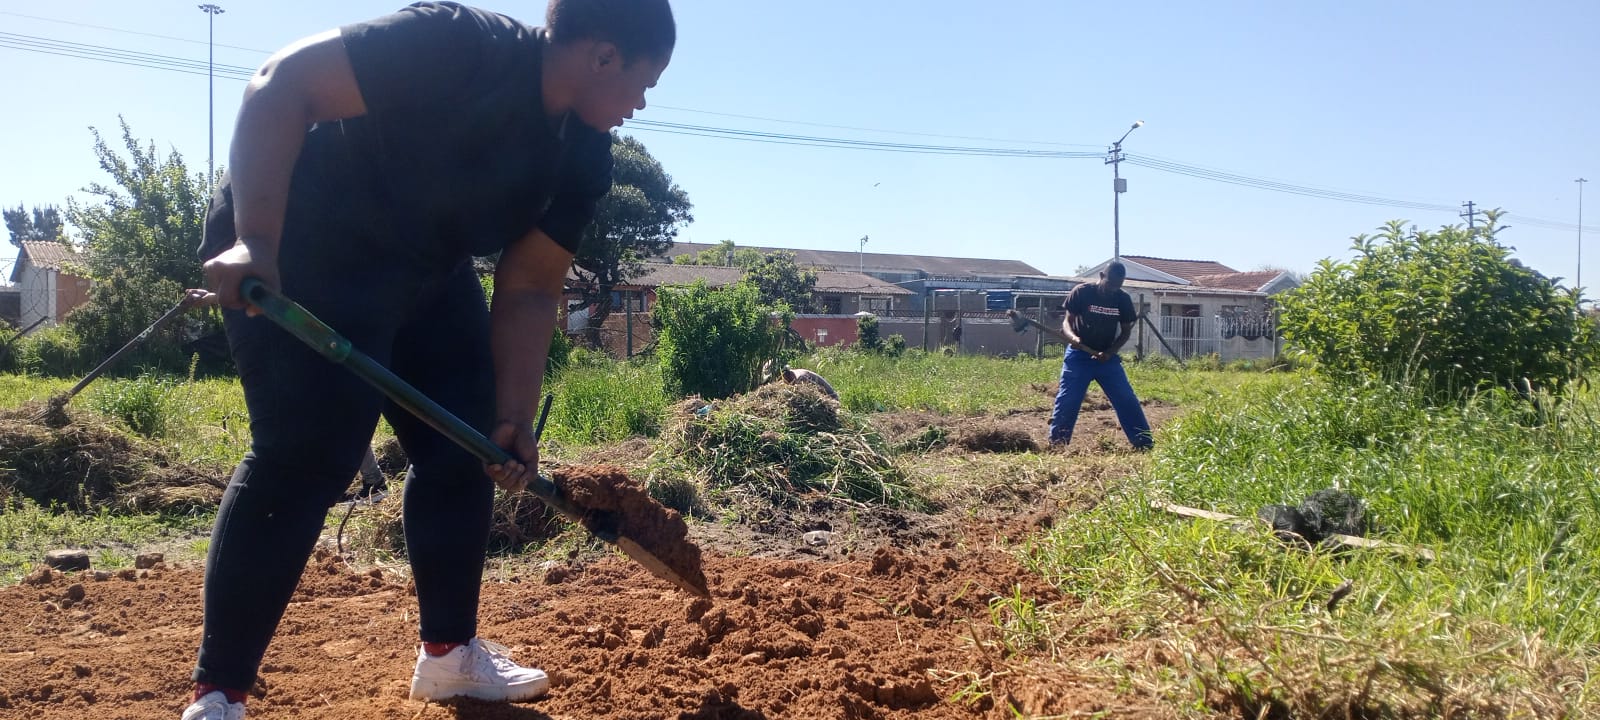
x=1099, y=321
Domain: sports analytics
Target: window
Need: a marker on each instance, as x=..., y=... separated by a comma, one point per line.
x=634, y=297
x=832, y=305
x=875, y=304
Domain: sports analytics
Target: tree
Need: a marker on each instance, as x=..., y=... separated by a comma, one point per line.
x=634, y=222
x=780, y=279
x=1298, y=277
x=148, y=223
x=1449, y=311
x=139, y=243
x=724, y=254
x=777, y=275
x=43, y=225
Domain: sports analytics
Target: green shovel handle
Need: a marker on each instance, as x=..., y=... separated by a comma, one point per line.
x=299, y=322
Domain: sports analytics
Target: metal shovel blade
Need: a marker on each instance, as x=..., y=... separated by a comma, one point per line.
x=299, y=322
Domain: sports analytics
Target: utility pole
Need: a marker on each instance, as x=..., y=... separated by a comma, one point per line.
x=1118, y=187
x=1579, y=281
x=861, y=254
x=1471, y=215
x=211, y=11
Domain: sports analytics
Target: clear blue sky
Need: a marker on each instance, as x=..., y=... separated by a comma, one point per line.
x=1431, y=101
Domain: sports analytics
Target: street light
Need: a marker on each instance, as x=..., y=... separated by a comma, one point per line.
x=861, y=254
x=211, y=11
x=1118, y=187
x=1579, y=282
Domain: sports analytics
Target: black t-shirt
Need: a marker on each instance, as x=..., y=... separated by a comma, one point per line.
x=1097, y=317
x=456, y=155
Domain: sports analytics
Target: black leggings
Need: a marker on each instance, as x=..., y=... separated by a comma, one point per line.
x=311, y=421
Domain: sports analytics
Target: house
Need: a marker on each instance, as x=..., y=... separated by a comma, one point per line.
x=919, y=273
x=954, y=302
x=45, y=283
x=841, y=295
x=1202, y=307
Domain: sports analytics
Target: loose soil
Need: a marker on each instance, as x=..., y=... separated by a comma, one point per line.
x=821, y=609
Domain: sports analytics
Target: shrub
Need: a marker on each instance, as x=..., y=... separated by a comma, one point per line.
x=1448, y=311
x=711, y=342
x=867, y=337
x=53, y=352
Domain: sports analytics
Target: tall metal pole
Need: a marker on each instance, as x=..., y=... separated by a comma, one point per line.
x=1118, y=187
x=861, y=255
x=1580, y=182
x=211, y=11
x=1116, y=202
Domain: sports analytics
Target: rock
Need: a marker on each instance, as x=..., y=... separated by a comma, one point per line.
x=67, y=559
x=145, y=561
x=818, y=538
x=76, y=592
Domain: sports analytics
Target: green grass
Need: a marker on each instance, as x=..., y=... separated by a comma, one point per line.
x=971, y=384
x=28, y=531
x=605, y=402
x=1503, y=493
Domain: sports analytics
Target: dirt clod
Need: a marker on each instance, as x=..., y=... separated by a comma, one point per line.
x=615, y=504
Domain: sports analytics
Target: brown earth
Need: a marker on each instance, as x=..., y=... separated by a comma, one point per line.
x=888, y=616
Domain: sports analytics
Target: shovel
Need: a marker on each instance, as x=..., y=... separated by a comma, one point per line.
x=299, y=322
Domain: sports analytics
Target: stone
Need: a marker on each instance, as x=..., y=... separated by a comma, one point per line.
x=145, y=561
x=67, y=559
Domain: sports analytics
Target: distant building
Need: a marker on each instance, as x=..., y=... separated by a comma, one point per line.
x=46, y=287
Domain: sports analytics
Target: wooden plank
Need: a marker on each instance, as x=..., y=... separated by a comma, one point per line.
x=1241, y=522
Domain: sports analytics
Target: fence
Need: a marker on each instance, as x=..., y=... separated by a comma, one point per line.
x=1229, y=338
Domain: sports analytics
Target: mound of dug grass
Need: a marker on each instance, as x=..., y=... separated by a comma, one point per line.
x=786, y=440
x=995, y=436
x=83, y=463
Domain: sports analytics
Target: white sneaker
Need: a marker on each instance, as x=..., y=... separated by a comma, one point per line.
x=479, y=669
x=214, y=706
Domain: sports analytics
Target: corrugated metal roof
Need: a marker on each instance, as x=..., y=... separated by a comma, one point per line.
x=1186, y=269
x=658, y=274
x=844, y=260
x=47, y=255
x=1253, y=281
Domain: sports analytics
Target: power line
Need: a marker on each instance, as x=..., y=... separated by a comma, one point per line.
x=129, y=32
x=847, y=143
x=83, y=51
x=156, y=61
x=872, y=130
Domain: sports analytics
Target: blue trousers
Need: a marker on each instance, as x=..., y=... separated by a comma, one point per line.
x=1078, y=369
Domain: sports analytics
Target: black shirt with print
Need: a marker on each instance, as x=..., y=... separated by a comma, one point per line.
x=455, y=156
x=1097, y=316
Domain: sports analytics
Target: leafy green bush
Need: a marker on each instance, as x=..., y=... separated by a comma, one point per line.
x=121, y=306
x=52, y=352
x=867, y=337
x=1449, y=311
x=711, y=342
x=895, y=346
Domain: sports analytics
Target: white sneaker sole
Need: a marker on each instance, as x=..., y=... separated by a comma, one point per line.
x=435, y=689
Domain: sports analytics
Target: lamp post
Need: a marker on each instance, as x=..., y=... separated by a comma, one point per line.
x=1118, y=187
x=861, y=254
x=212, y=11
x=1579, y=282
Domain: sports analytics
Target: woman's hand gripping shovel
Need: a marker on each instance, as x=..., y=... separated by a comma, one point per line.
x=297, y=321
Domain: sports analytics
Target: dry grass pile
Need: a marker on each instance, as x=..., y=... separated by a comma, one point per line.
x=86, y=464
x=786, y=440
x=995, y=436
